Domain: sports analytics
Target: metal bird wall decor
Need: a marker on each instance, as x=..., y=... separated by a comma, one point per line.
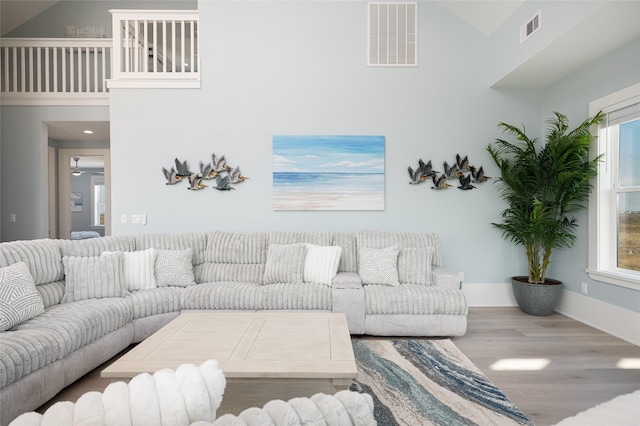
x=460, y=169
x=217, y=170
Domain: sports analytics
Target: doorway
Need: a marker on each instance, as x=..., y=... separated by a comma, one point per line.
x=84, y=193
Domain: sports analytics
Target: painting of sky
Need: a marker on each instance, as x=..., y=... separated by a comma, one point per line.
x=328, y=172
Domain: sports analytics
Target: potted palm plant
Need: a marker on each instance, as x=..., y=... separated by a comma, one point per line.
x=543, y=186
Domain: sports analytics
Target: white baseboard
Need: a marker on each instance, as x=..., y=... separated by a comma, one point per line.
x=619, y=322
x=611, y=319
x=489, y=295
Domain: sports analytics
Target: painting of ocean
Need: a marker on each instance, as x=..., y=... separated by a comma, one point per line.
x=328, y=172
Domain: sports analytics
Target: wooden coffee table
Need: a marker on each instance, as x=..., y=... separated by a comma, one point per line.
x=254, y=345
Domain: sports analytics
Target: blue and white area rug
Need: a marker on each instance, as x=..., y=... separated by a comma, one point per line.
x=429, y=382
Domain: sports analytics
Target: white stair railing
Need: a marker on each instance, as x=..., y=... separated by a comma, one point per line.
x=155, y=48
x=54, y=71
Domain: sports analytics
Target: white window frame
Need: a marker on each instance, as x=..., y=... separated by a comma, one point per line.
x=96, y=180
x=603, y=231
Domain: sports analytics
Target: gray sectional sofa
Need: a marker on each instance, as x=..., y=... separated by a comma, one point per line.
x=93, y=298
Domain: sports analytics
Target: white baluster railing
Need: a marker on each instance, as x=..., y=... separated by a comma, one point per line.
x=54, y=71
x=155, y=48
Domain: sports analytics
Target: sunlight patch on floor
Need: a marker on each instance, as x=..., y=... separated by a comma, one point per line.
x=629, y=363
x=520, y=364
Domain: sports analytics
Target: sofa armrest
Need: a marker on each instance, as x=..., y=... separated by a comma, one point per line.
x=347, y=280
x=444, y=278
x=348, y=298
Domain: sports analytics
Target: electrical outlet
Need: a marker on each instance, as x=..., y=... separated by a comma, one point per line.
x=583, y=288
x=135, y=219
x=123, y=218
x=461, y=275
x=12, y=217
x=144, y=219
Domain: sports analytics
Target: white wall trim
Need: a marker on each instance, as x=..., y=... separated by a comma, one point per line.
x=489, y=295
x=619, y=322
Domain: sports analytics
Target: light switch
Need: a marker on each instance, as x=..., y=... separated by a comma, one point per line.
x=135, y=219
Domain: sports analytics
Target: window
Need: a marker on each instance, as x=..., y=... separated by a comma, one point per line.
x=614, y=209
x=98, y=208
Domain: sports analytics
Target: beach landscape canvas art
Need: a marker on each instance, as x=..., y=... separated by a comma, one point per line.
x=328, y=172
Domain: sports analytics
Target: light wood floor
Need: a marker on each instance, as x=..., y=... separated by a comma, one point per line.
x=582, y=369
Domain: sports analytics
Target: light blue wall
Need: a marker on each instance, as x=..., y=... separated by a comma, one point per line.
x=278, y=68
x=571, y=96
x=558, y=18
x=24, y=170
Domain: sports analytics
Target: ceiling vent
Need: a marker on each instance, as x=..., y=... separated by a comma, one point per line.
x=392, y=34
x=532, y=25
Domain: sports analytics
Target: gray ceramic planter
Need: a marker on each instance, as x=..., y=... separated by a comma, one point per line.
x=536, y=299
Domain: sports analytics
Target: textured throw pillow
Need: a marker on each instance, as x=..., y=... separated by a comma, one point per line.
x=321, y=263
x=378, y=266
x=285, y=263
x=414, y=265
x=174, y=268
x=92, y=277
x=19, y=299
x=137, y=269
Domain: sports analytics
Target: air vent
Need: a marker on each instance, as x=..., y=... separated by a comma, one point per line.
x=392, y=34
x=532, y=25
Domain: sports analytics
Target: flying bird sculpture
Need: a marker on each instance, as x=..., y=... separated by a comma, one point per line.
x=451, y=172
x=426, y=169
x=478, y=174
x=195, y=182
x=440, y=182
x=182, y=169
x=171, y=176
x=465, y=182
x=206, y=171
x=416, y=176
x=222, y=183
x=219, y=164
x=235, y=176
x=462, y=163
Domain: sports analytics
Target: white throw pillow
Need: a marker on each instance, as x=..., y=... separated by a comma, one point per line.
x=174, y=268
x=321, y=263
x=285, y=263
x=19, y=299
x=138, y=269
x=378, y=266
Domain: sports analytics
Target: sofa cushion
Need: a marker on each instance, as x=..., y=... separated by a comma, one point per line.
x=41, y=256
x=381, y=239
x=19, y=299
x=137, y=269
x=174, y=268
x=378, y=266
x=236, y=247
x=51, y=293
x=222, y=295
x=57, y=332
x=414, y=265
x=302, y=296
x=155, y=301
x=196, y=241
x=285, y=263
x=229, y=272
x=349, y=258
x=411, y=299
x=291, y=237
x=321, y=263
x=92, y=277
x=96, y=246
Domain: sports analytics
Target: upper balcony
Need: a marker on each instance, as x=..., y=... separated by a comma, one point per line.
x=149, y=49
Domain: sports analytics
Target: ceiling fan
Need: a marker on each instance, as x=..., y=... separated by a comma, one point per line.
x=76, y=171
